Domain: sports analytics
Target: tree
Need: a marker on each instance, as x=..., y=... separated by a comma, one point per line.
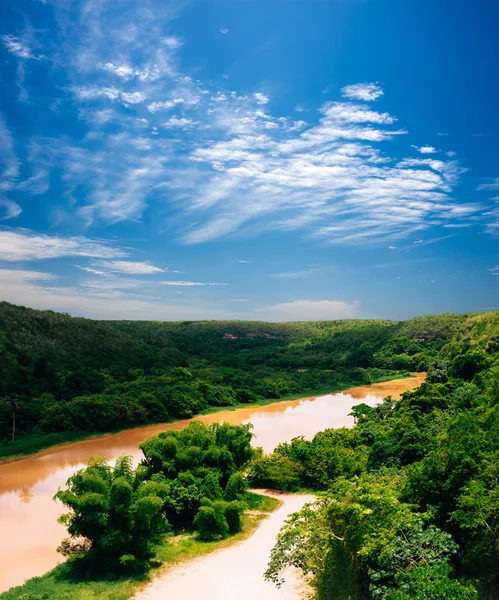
x=359, y=411
x=13, y=403
x=360, y=541
x=115, y=516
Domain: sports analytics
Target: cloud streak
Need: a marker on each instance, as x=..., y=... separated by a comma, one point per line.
x=25, y=246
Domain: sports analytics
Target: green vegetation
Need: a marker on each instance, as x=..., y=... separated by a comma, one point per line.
x=410, y=502
x=64, y=378
x=187, y=479
x=64, y=583
x=186, y=495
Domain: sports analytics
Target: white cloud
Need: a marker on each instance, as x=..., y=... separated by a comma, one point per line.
x=362, y=91
x=234, y=166
x=91, y=270
x=130, y=268
x=296, y=274
x=179, y=123
x=111, y=93
x=132, y=97
x=9, y=164
x=18, y=48
x=164, y=105
x=261, y=98
x=23, y=245
x=425, y=149
x=191, y=283
x=490, y=186
x=173, y=42
x=224, y=30
x=11, y=209
x=126, y=72
x=327, y=178
x=310, y=310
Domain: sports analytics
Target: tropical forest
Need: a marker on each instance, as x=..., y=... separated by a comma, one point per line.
x=403, y=503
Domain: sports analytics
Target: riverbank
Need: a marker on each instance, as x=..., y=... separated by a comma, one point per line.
x=31, y=445
x=235, y=572
x=61, y=583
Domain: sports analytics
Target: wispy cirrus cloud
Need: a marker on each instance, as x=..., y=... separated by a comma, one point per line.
x=18, y=47
x=25, y=246
x=220, y=158
x=490, y=186
x=11, y=209
x=130, y=267
x=9, y=163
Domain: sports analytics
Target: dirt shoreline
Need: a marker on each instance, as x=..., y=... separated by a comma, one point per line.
x=236, y=571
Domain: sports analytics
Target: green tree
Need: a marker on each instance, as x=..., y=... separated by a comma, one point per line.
x=13, y=403
x=115, y=517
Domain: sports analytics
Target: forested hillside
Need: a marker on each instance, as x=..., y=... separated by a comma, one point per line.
x=65, y=375
x=411, y=502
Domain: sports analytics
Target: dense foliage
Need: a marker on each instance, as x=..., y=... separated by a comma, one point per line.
x=187, y=479
x=60, y=374
x=411, y=501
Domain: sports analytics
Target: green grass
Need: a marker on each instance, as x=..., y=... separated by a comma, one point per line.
x=31, y=444
x=261, y=503
x=62, y=584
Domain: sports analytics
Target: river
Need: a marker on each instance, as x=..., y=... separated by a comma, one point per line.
x=29, y=530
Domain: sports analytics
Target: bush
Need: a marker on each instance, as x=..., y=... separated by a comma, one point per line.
x=211, y=523
x=233, y=512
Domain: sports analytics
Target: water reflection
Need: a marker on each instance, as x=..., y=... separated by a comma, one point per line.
x=28, y=515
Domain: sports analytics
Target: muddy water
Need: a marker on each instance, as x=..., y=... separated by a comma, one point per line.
x=29, y=532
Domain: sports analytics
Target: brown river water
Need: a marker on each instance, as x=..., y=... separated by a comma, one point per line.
x=29, y=532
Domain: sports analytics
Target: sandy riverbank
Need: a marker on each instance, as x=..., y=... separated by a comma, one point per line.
x=237, y=571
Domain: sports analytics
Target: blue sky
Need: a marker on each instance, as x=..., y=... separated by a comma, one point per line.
x=265, y=159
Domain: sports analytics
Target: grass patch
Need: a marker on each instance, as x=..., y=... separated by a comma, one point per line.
x=258, y=502
x=62, y=584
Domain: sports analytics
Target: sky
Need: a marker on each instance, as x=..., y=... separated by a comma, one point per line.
x=249, y=159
